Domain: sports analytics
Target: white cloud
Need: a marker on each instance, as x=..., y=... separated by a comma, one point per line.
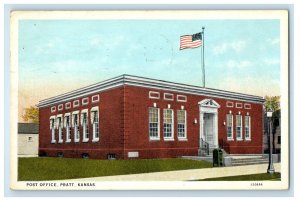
x=272, y=61
x=236, y=46
x=238, y=64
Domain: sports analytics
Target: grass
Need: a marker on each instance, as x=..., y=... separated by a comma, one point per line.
x=39, y=169
x=252, y=177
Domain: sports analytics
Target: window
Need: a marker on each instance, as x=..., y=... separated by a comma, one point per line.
x=229, y=125
x=279, y=139
x=168, y=96
x=229, y=104
x=247, y=106
x=238, y=105
x=154, y=95
x=154, y=123
x=181, y=124
x=29, y=139
x=85, y=101
x=53, y=109
x=60, y=107
x=68, y=127
x=239, y=127
x=68, y=105
x=95, y=98
x=59, y=127
x=95, y=123
x=168, y=124
x=76, y=103
x=181, y=98
x=75, y=124
x=247, y=128
x=85, y=125
x=52, y=129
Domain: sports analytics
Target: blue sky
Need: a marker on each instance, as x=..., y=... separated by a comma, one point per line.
x=57, y=56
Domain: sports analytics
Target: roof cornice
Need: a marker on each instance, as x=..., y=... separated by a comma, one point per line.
x=130, y=80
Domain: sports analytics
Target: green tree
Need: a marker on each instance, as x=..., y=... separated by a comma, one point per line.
x=273, y=103
x=31, y=115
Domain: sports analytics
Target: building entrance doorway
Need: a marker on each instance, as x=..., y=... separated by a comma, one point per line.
x=208, y=128
x=208, y=123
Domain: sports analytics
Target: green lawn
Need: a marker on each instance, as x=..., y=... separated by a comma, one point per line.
x=252, y=177
x=37, y=169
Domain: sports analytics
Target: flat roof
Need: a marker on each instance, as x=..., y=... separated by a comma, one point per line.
x=28, y=128
x=130, y=80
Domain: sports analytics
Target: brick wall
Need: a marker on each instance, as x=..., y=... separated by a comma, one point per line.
x=110, y=127
x=124, y=126
x=137, y=103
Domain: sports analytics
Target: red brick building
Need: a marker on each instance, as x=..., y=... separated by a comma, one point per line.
x=135, y=117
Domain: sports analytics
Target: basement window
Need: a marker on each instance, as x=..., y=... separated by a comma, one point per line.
x=111, y=156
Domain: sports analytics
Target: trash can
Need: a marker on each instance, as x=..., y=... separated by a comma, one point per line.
x=218, y=158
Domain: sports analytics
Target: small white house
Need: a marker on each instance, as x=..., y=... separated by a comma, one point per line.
x=28, y=139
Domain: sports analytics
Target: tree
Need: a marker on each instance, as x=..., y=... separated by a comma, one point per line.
x=273, y=103
x=31, y=115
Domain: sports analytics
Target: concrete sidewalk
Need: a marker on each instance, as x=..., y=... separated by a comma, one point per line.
x=184, y=175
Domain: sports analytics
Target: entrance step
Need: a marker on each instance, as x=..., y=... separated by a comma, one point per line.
x=248, y=160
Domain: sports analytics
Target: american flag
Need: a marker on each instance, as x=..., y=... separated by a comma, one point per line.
x=191, y=41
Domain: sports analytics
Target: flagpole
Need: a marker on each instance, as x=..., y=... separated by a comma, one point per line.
x=203, y=64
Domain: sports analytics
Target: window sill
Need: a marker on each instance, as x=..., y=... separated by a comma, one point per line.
x=76, y=141
x=247, y=139
x=154, y=139
x=60, y=141
x=68, y=141
x=168, y=139
x=239, y=140
x=53, y=141
x=229, y=139
x=182, y=139
x=95, y=140
x=85, y=140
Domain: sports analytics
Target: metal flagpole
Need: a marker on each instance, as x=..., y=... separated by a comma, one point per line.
x=203, y=64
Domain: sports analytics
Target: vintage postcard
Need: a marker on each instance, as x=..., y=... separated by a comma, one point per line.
x=149, y=100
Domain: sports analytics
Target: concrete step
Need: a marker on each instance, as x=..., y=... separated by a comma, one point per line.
x=248, y=161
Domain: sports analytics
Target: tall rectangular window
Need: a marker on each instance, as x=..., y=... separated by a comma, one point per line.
x=59, y=127
x=247, y=128
x=85, y=126
x=96, y=126
x=168, y=124
x=154, y=123
x=229, y=125
x=52, y=129
x=181, y=123
x=76, y=127
x=68, y=130
x=239, y=127
x=95, y=123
